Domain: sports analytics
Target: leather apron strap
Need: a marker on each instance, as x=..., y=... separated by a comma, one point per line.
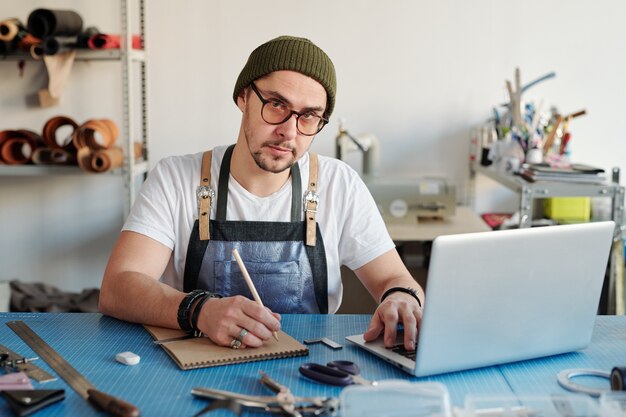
x=222, y=188
x=205, y=195
x=311, y=200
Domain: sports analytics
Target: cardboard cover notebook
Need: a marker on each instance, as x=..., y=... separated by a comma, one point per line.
x=201, y=352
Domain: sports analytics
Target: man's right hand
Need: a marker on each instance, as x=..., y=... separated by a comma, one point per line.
x=222, y=319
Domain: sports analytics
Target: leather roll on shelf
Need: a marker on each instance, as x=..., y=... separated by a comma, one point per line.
x=108, y=41
x=43, y=23
x=96, y=134
x=37, y=51
x=13, y=36
x=84, y=36
x=90, y=145
x=47, y=156
x=17, y=146
x=10, y=29
x=55, y=44
x=51, y=132
x=7, y=47
x=101, y=160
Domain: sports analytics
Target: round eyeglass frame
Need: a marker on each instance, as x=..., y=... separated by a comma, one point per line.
x=264, y=102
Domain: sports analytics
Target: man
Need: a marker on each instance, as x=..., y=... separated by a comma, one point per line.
x=294, y=217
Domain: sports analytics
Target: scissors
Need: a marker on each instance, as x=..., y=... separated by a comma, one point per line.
x=339, y=373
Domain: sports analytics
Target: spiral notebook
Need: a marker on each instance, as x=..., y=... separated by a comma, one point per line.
x=201, y=352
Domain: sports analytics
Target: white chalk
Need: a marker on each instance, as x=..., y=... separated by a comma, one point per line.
x=127, y=358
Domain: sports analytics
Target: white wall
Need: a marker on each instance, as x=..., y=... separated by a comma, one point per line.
x=419, y=74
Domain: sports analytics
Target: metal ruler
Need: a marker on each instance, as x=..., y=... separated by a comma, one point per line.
x=28, y=368
x=74, y=379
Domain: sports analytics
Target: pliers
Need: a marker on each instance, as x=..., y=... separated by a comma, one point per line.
x=284, y=402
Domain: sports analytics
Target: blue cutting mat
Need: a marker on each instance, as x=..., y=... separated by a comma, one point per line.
x=158, y=387
x=607, y=349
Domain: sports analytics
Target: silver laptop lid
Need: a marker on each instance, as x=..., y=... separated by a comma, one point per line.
x=498, y=297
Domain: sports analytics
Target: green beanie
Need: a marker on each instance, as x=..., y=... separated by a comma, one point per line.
x=292, y=54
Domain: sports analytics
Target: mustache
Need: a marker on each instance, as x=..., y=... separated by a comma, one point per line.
x=284, y=145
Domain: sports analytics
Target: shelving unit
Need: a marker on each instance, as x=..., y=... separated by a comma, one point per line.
x=614, y=296
x=529, y=191
x=131, y=169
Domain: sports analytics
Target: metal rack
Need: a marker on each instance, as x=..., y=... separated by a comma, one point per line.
x=614, y=294
x=529, y=191
x=130, y=169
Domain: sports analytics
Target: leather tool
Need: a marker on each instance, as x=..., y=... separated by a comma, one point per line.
x=28, y=368
x=112, y=405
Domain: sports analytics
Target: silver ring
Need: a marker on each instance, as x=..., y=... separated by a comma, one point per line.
x=242, y=334
x=235, y=343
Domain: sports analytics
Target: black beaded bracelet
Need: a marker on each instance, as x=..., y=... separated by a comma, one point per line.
x=407, y=290
x=184, y=310
x=198, y=307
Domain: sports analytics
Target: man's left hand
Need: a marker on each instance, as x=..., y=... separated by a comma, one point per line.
x=397, y=308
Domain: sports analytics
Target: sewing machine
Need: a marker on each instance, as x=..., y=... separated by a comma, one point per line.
x=405, y=200
x=400, y=200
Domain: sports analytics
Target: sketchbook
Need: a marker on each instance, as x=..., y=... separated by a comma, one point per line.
x=201, y=352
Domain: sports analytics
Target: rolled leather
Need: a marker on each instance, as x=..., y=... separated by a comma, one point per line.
x=96, y=134
x=10, y=29
x=55, y=44
x=51, y=137
x=7, y=47
x=101, y=160
x=83, y=37
x=43, y=23
x=109, y=41
x=17, y=146
x=47, y=156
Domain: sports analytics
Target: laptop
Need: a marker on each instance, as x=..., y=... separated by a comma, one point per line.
x=505, y=296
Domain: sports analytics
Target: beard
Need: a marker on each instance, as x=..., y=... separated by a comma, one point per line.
x=269, y=163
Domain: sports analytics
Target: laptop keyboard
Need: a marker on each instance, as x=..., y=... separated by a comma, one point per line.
x=400, y=350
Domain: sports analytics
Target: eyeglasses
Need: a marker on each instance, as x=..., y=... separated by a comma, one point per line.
x=275, y=112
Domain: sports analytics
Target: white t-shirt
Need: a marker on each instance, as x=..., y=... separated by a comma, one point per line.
x=351, y=226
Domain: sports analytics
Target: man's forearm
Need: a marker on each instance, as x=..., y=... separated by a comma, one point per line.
x=135, y=297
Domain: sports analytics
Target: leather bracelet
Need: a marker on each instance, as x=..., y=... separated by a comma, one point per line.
x=184, y=310
x=407, y=290
x=197, y=308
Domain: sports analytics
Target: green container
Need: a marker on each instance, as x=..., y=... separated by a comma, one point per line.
x=568, y=209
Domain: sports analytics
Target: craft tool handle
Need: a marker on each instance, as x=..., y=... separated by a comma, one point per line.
x=112, y=405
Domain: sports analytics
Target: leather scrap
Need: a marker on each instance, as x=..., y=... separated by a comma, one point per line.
x=40, y=297
x=26, y=402
x=15, y=381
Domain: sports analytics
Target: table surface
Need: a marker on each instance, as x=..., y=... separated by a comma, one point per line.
x=465, y=220
x=158, y=387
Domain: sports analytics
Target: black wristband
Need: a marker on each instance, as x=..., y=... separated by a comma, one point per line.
x=407, y=290
x=197, y=308
x=184, y=310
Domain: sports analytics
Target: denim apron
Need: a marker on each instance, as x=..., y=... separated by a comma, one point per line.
x=285, y=260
